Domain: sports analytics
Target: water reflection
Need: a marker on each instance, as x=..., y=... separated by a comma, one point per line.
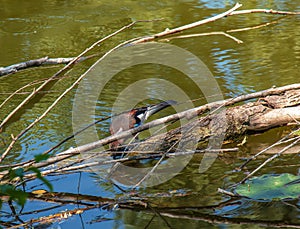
x=216, y=4
x=269, y=56
x=229, y=69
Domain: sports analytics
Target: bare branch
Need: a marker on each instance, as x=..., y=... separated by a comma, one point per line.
x=239, y=12
x=270, y=159
x=281, y=141
x=204, y=34
x=38, y=62
x=186, y=27
x=62, y=95
x=60, y=72
x=184, y=114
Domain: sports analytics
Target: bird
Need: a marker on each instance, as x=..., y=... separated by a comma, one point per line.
x=134, y=118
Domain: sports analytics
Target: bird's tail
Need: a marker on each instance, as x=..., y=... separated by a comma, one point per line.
x=158, y=107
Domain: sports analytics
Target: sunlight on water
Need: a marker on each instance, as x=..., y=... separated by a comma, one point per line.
x=268, y=56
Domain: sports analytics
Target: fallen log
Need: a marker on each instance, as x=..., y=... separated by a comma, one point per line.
x=267, y=112
x=274, y=107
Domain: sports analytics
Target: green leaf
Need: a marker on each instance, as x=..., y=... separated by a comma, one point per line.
x=13, y=173
x=39, y=176
x=270, y=187
x=41, y=157
x=14, y=194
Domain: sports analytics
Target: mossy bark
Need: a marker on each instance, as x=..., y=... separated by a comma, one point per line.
x=266, y=113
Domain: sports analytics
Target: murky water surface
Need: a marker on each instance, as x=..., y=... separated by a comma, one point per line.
x=268, y=56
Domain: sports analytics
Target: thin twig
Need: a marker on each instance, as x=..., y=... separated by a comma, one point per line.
x=189, y=26
x=66, y=91
x=254, y=27
x=281, y=141
x=155, y=133
x=22, y=88
x=160, y=160
x=17, y=91
x=230, y=12
x=76, y=166
x=184, y=114
x=239, y=12
x=224, y=33
x=270, y=159
x=204, y=34
x=220, y=190
x=160, y=216
x=188, y=114
x=60, y=72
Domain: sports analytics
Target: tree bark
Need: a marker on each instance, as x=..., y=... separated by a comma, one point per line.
x=265, y=113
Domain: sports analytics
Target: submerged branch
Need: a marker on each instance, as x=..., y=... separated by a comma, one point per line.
x=270, y=159
x=252, y=116
x=83, y=203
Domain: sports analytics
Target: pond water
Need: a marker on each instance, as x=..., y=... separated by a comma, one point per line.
x=268, y=56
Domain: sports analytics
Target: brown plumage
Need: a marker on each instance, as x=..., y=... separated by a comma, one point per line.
x=134, y=118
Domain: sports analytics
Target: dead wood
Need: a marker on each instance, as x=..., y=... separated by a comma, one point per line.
x=253, y=116
x=167, y=32
x=266, y=113
x=261, y=115
x=83, y=203
x=38, y=62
